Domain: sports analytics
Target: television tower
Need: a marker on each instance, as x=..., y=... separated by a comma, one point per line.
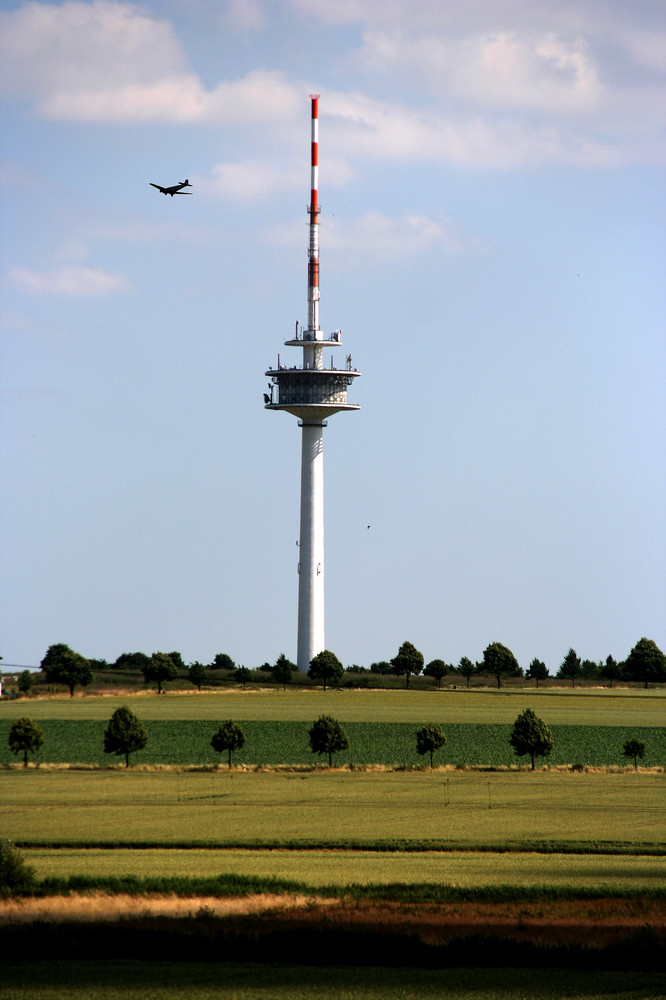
x=312, y=393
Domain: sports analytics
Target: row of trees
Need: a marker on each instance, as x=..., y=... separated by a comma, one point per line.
x=125, y=734
x=646, y=663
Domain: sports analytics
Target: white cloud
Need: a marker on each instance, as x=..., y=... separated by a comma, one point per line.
x=261, y=96
x=85, y=46
x=361, y=126
x=69, y=281
x=250, y=179
x=375, y=236
x=504, y=70
x=111, y=62
x=248, y=15
x=257, y=179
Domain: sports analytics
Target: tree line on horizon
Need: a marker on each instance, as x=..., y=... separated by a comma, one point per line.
x=645, y=664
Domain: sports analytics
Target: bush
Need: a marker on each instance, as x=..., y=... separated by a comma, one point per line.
x=15, y=875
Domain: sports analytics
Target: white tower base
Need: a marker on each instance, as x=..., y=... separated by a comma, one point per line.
x=311, y=565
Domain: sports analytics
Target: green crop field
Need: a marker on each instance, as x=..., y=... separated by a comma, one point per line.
x=194, y=981
x=615, y=821
x=188, y=742
x=332, y=807
x=561, y=706
x=317, y=869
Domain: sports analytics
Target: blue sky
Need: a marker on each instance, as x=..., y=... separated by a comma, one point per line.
x=492, y=247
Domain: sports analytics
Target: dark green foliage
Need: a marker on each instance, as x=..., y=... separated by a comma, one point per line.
x=382, y=667
x=466, y=668
x=125, y=734
x=633, y=750
x=159, y=668
x=25, y=681
x=499, y=661
x=177, y=660
x=645, y=663
x=407, y=661
x=61, y=665
x=429, y=739
x=570, y=667
x=222, y=661
x=531, y=736
x=537, y=671
x=25, y=737
x=437, y=669
x=327, y=737
x=589, y=670
x=242, y=675
x=131, y=661
x=326, y=667
x=229, y=737
x=611, y=671
x=283, y=670
x=197, y=673
x=15, y=875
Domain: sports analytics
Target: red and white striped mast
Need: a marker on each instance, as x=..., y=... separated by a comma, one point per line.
x=312, y=393
x=313, y=355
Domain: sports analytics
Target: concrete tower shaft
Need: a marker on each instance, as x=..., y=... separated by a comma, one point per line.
x=312, y=393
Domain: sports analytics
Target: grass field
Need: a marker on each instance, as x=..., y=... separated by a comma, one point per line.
x=195, y=981
x=562, y=706
x=466, y=869
x=332, y=807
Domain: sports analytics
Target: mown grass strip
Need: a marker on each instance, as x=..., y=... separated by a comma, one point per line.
x=562, y=706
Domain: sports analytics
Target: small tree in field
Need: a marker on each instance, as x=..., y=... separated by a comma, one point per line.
x=633, y=750
x=610, y=670
x=326, y=667
x=25, y=682
x=222, y=661
x=229, y=737
x=537, y=671
x=62, y=665
x=531, y=736
x=197, y=673
x=25, y=737
x=499, y=661
x=283, y=670
x=438, y=670
x=327, y=736
x=570, y=666
x=124, y=734
x=429, y=739
x=160, y=667
x=242, y=675
x=466, y=668
x=407, y=661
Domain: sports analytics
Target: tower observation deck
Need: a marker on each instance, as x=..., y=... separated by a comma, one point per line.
x=311, y=392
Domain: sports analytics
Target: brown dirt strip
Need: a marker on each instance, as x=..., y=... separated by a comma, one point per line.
x=556, y=915
x=98, y=906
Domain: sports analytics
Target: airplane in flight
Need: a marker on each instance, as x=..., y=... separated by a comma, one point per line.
x=174, y=189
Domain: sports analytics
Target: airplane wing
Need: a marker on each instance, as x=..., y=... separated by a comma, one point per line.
x=163, y=190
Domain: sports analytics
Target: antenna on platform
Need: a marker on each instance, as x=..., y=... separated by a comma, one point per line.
x=312, y=393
